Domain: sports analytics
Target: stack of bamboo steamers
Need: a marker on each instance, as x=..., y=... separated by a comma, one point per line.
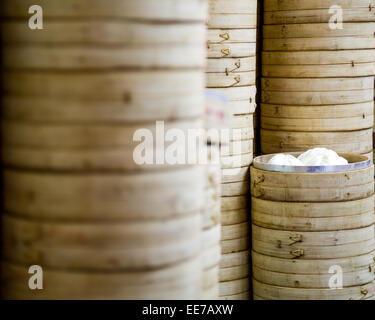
x=231, y=71
x=318, y=66
x=77, y=202
x=313, y=233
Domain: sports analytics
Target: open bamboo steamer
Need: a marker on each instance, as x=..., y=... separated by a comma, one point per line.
x=163, y=10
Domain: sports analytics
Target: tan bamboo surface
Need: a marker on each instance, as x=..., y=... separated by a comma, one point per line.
x=317, y=85
x=305, y=224
x=77, y=99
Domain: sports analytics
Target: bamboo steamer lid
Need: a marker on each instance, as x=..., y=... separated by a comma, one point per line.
x=165, y=10
x=210, y=293
x=235, y=148
x=277, y=5
x=316, y=85
x=283, y=141
x=309, y=216
x=313, y=267
x=235, y=259
x=320, y=71
x=211, y=257
x=177, y=281
x=283, y=293
x=235, y=231
x=312, y=187
x=317, y=118
x=230, y=65
x=235, y=79
x=34, y=195
x=231, y=50
x=316, y=58
x=211, y=237
x=234, y=273
x=232, y=20
x=240, y=296
x=364, y=14
x=235, y=6
x=227, y=288
x=237, y=161
x=90, y=147
x=111, y=86
x=313, y=245
x=210, y=277
x=122, y=33
x=89, y=58
x=231, y=35
x=235, y=245
x=307, y=44
x=235, y=175
x=234, y=203
x=234, y=217
x=319, y=30
x=92, y=246
x=235, y=189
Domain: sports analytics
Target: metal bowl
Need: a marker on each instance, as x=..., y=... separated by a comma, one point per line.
x=356, y=161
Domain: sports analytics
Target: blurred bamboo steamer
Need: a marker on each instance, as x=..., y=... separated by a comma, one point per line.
x=305, y=224
x=76, y=99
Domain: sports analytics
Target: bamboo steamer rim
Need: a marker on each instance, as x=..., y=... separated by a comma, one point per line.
x=284, y=293
x=235, y=245
x=234, y=273
x=234, y=217
x=234, y=203
x=276, y=5
x=235, y=259
x=356, y=162
x=165, y=10
x=235, y=188
x=235, y=231
x=318, y=30
x=235, y=175
x=98, y=33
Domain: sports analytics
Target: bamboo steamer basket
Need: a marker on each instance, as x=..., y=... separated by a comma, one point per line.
x=319, y=71
x=235, y=259
x=34, y=195
x=234, y=245
x=317, y=85
x=232, y=20
x=234, y=203
x=165, y=10
x=227, y=288
x=234, y=217
x=92, y=246
x=177, y=281
x=235, y=231
x=125, y=34
x=235, y=79
x=349, y=142
x=312, y=187
x=354, y=276
x=277, y=5
x=313, y=245
x=307, y=44
x=81, y=57
x=230, y=65
x=235, y=189
x=235, y=6
x=235, y=148
x=317, y=118
x=239, y=93
x=318, y=30
x=231, y=35
x=231, y=50
x=88, y=147
x=318, y=58
x=234, y=273
x=235, y=175
x=269, y=292
x=240, y=296
x=237, y=161
x=241, y=107
x=318, y=216
x=319, y=15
